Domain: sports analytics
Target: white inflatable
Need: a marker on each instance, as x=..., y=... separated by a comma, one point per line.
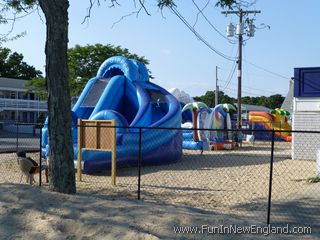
x=181, y=95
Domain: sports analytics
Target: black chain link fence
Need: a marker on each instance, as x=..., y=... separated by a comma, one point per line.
x=296, y=181
x=269, y=179
x=16, y=137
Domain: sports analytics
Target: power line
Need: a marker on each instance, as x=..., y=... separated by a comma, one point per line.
x=251, y=88
x=192, y=29
x=209, y=22
x=266, y=70
x=176, y=12
x=233, y=69
x=235, y=90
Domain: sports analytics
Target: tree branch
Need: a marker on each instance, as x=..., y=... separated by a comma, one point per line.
x=200, y=11
x=89, y=11
x=4, y=37
x=115, y=3
x=143, y=6
x=125, y=16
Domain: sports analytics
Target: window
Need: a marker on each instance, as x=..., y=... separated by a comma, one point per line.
x=22, y=95
x=13, y=95
x=32, y=96
x=13, y=116
x=25, y=117
x=32, y=118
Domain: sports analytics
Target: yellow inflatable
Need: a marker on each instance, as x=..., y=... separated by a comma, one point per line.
x=277, y=119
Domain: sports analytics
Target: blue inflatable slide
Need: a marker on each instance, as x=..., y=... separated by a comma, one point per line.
x=122, y=91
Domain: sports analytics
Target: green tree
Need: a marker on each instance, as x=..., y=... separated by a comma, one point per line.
x=275, y=101
x=209, y=98
x=84, y=62
x=38, y=85
x=13, y=66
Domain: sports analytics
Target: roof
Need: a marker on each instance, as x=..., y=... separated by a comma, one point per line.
x=255, y=108
x=12, y=83
x=288, y=101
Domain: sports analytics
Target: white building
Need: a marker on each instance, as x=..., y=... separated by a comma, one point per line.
x=18, y=105
x=306, y=113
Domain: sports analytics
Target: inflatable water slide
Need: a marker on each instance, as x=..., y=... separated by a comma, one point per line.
x=122, y=91
x=213, y=124
x=269, y=121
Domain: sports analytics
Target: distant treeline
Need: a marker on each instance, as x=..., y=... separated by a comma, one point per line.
x=273, y=101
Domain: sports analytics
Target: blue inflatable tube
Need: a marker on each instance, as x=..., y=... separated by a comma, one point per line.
x=122, y=91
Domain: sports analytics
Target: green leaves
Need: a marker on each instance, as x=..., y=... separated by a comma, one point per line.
x=84, y=62
x=13, y=66
x=21, y=5
x=274, y=101
x=38, y=85
x=165, y=3
x=209, y=97
x=226, y=4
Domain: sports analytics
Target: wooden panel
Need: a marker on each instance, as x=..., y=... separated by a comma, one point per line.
x=105, y=135
x=89, y=134
x=97, y=135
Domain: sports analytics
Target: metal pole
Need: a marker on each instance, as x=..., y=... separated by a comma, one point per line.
x=40, y=159
x=240, y=13
x=139, y=161
x=239, y=72
x=17, y=137
x=217, y=89
x=270, y=177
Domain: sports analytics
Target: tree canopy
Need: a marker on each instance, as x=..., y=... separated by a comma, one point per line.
x=84, y=62
x=273, y=101
x=13, y=66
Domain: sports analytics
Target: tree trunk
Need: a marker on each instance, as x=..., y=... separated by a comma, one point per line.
x=62, y=177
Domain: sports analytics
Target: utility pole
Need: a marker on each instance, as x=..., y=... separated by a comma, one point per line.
x=240, y=31
x=239, y=75
x=217, y=89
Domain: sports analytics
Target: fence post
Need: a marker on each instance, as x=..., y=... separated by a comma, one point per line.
x=17, y=137
x=270, y=176
x=40, y=158
x=139, y=161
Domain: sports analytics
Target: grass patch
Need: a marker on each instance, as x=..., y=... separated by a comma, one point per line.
x=313, y=180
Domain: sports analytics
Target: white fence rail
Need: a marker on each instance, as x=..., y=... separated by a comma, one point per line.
x=20, y=104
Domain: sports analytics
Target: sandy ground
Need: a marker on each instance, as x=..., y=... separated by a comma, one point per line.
x=28, y=212
x=222, y=187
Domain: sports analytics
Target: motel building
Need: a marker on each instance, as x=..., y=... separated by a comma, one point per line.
x=19, y=105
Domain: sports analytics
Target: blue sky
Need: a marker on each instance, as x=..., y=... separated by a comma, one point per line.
x=178, y=58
